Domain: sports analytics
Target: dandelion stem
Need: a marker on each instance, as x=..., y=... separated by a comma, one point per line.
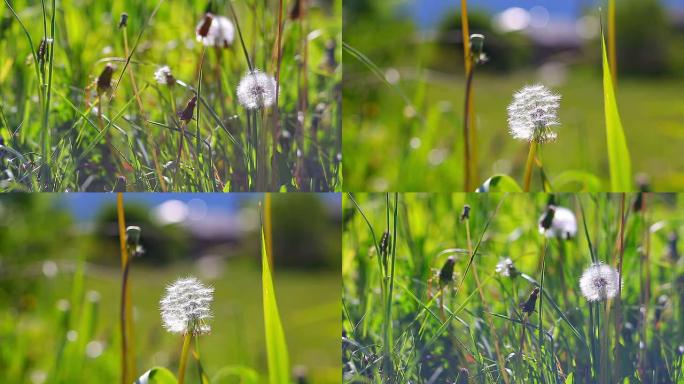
x=268, y=227
x=528, y=166
x=184, y=356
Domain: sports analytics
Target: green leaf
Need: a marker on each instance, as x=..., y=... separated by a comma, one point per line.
x=499, y=183
x=577, y=181
x=570, y=379
x=276, y=348
x=157, y=375
x=230, y=373
x=618, y=154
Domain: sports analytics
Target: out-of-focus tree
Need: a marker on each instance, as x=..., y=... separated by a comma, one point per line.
x=643, y=37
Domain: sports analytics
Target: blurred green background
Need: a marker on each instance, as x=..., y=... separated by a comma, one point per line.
x=47, y=242
x=403, y=124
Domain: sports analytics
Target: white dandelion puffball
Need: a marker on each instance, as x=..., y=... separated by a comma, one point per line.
x=164, y=76
x=600, y=282
x=186, y=306
x=533, y=113
x=563, y=225
x=506, y=268
x=221, y=32
x=256, y=90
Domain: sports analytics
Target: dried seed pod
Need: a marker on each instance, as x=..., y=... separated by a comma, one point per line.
x=104, y=81
x=531, y=302
x=446, y=274
x=187, y=113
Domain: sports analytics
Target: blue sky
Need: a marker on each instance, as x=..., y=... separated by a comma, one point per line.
x=85, y=206
x=429, y=12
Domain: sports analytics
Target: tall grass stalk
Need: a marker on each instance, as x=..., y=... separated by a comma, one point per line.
x=612, y=54
x=127, y=360
x=389, y=284
x=468, y=128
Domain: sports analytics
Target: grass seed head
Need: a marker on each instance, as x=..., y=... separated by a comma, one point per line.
x=533, y=113
x=256, y=90
x=186, y=307
x=561, y=223
x=599, y=282
x=215, y=31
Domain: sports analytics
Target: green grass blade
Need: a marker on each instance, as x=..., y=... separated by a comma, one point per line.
x=157, y=375
x=276, y=347
x=618, y=154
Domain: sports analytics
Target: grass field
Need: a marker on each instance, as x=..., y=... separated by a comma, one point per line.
x=309, y=305
x=429, y=152
x=61, y=307
x=411, y=316
x=87, y=104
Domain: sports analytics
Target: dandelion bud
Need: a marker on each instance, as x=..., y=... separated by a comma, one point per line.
x=120, y=185
x=257, y=90
x=476, y=48
x=164, y=76
x=186, y=307
x=672, y=251
x=529, y=305
x=446, y=274
x=465, y=213
x=599, y=282
x=561, y=223
x=104, y=81
x=533, y=113
x=203, y=28
x=638, y=203
x=187, y=113
x=296, y=11
x=385, y=242
x=133, y=235
x=123, y=21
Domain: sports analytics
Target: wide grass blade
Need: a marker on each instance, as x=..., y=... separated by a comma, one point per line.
x=157, y=375
x=618, y=154
x=276, y=347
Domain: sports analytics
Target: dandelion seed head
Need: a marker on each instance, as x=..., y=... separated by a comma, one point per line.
x=215, y=31
x=563, y=225
x=506, y=268
x=186, y=306
x=599, y=282
x=164, y=76
x=533, y=113
x=256, y=90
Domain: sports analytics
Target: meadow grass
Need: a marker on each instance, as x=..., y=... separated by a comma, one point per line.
x=424, y=139
x=76, y=325
x=480, y=323
x=63, y=130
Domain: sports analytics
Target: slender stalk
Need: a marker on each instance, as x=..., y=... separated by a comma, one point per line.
x=276, y=126
x=540, y=336
x=268, y=226
x=468, y=121
x=611, y=41
x=618, y=299
x=387, y=334
x=184, y=357
x=468, y=183
x=528, y=166
x=126, y=368
x=499, y=357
